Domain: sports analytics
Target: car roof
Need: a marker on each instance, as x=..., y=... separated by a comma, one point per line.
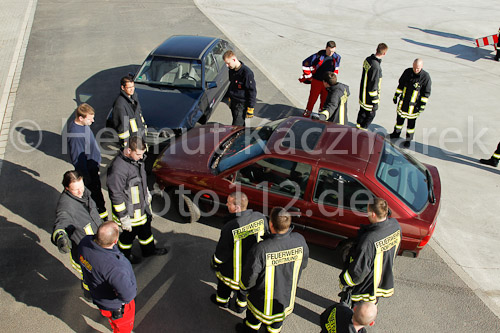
x=191, y=47
x=326, y=142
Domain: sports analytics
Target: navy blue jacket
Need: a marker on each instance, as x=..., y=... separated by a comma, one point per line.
x=242, y=86
x=108, y=274
x=83, y=148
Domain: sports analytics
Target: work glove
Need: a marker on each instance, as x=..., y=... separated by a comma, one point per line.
x=150, y=197
x=250, y=112
x=126, y=223
x=63, y=243
x=395, y=99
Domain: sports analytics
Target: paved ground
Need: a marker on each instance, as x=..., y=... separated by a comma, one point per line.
x=78, y=50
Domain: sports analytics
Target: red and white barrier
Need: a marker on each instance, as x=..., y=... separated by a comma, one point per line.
x=488, y=40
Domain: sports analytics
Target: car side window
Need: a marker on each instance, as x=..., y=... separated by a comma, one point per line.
x=337, y=189
x=210, y=67
x=218, y=51
x=276, y=175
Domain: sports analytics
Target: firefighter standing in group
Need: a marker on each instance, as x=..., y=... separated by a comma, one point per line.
x=236, y=238
x=413, y=92
x=335, y=108
x=369, y=90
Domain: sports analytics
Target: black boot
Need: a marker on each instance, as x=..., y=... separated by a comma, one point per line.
x=492, y=161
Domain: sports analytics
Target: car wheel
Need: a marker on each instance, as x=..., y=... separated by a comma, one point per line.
x=185, y=207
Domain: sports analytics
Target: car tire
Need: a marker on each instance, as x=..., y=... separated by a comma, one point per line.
x=182, y=200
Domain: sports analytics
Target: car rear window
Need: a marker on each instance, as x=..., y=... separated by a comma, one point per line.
x=403, y=176
x=303, y=135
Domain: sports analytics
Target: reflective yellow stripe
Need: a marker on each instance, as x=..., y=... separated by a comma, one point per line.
x=217, y=260
x=237, y=260
x=399, y=91
x=76, y=266
x=228, y=281
x=119, y=208
x=133, y=125
x=348, y=279
x=373, y=93
x=326, y=114
x=103, y=215
x=134, y=191
x=147, y=241
x=88, y=229
x=274, y=330
x=497, y=156
x=269, y=291
x=424, y=99
x=398, y=126
x=240, y=303
x=124, y=246
x=221, y=300
x=54, y=234
x=254, y=327
x=124, y=135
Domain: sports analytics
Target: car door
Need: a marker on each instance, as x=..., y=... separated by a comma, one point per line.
x=222, y=70
x=339, y=204
x=270, y=182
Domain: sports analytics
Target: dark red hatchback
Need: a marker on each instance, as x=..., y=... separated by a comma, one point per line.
x=325, y=174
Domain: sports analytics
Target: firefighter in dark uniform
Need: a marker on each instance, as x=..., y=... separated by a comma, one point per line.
x=368, y=268
x=493, y=160
x=369, y=90
x=242, y=90
x=236, y=238
x=339, y=318
x=76, y=217
x=497, y=56
x=271, y=274
x=335, y=107
x=127, y=113
x=413, y=92
x=130, y=200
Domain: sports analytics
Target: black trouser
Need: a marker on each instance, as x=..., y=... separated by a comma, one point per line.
x=252, y=324
x=239, y=112
x=410, y=127
x=145, y=236
x=224, y=292
x=365, y=118
x=93, y=182
x=497, y=57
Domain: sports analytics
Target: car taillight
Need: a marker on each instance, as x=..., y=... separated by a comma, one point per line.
x=426, y=239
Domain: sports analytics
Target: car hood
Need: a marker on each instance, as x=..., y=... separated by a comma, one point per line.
x=169, y=108
x=191, y=152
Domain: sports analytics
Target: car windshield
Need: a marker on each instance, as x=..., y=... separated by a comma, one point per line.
x=404, y=176
x=243, y=145
x=172, y=72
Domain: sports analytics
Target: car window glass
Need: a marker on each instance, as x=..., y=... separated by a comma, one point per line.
x=303, y=135
x=276, y=175
x=338, y=189
x=210, y=67
x=218, y=52
x=182, y=73
x=402, y=177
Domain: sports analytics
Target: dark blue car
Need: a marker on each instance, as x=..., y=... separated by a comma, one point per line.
x=180, y=83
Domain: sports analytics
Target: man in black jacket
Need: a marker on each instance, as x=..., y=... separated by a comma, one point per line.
x=127, y=113
x=236, y=238
x=109, y=276
x=413, y=92
x=76, y=217
x=130, y=200
x=242, y=90
x=368, y=268
x=340, y=318
x=369, y=90
x=271, y=274
x=335, y=107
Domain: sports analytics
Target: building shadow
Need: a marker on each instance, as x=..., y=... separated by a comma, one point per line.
x=443, y=34
x=21, y=193
x=47, y=142
x=37, y=279
x=460, y=51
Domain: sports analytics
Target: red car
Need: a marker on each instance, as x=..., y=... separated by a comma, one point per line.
x=323, y=173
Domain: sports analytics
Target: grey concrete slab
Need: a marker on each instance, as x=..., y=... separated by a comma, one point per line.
x=460, y=124
x=77, y=51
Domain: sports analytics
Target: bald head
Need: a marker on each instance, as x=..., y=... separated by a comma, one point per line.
x=364, y=313
x=417, y=65
x=107, y=234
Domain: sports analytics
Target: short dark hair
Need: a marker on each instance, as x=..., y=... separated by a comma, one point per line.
x=136, y=143
x=126, y=79
x=280, y=219
x=240, y=199
x=228, y=54
x=107, y=233
x=71, y=177
x=381, y=48
x=330, y=78
x=379, y=207
x=331, y=44
x=83, y=110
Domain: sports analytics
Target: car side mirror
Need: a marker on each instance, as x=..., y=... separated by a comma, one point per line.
x=211, y=84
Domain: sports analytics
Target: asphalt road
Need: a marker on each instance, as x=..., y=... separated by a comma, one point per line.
x=77, y=52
